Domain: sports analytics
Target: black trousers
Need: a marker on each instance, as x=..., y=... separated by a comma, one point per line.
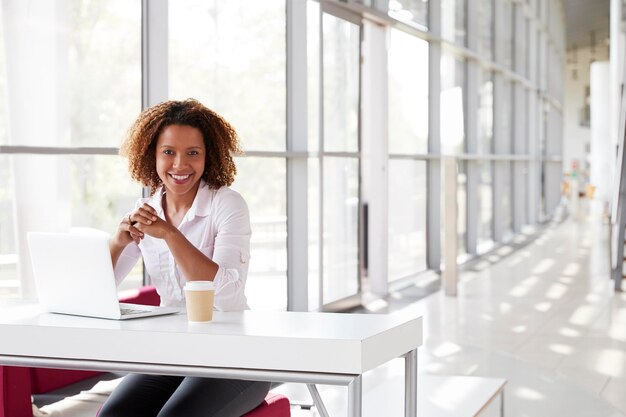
x=174, y=396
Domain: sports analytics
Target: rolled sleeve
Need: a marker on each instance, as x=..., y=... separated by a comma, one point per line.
x=127, y=260
x=232, y=253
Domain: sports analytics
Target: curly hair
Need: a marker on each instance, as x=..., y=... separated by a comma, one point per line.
x=220, y=139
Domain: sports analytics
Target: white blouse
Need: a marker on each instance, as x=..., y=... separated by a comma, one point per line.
x=218, y=224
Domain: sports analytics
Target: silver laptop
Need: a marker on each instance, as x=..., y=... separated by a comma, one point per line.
x=74, y=275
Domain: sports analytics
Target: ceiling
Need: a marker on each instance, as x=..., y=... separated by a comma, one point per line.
x=584, y=16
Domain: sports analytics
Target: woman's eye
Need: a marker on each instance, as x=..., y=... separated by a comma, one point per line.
x=168, y=152
x=193, y=152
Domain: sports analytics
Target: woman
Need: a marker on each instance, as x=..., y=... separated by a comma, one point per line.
x=193, y=227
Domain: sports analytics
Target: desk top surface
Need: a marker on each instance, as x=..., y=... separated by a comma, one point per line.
x=299, y=341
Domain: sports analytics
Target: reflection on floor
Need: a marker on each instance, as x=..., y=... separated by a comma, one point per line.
x=544, y=317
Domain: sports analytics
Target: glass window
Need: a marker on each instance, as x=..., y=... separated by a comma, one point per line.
x=505, y=114
x=76, y=191
x=3, y=88
x=485, y=198
x=232, y=57
x=461, y=201
x=407, y=218
x=507, y=33
x=313, y=74
x=505, y=145
x=408, y=94
x=9, y=278
x=333, y=182
x=453, y=21
x=485, y=29
x=340, y=228
x=314, y=227
x=412, y=11
x=485, y=112
x=505, y=204
x=262, y=183
x=520, y=39
x=452, y=104
x=341, y=84
x=85, y=59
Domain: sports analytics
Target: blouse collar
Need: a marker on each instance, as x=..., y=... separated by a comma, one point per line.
x=200, y=206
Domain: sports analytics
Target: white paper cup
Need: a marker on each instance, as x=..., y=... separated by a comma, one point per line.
x=199, y=296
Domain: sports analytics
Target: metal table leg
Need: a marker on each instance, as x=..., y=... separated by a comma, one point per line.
x=355, y=397
x=317, y=400
x=410, y=384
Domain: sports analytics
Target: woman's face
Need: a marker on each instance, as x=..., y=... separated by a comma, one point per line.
x=180, y=156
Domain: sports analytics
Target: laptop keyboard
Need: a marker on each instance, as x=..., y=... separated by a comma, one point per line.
x=131, y=311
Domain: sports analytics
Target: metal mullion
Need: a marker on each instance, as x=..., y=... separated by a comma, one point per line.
x=494, y=157
x=470, y=107
x=320, y=229
x=333, y=154
x=414, y=157
x=296, y=143
x=292, y=154
x=433, y=167
x=500, y=143
x=154, y=52
x=57, y=150
x=343, y=13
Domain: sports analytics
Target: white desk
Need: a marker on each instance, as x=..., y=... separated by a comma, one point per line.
x=323, y=348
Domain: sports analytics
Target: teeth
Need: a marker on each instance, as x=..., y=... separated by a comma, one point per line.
x=180, y=177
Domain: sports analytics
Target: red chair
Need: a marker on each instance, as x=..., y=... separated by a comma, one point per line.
x=17, y=384
x=275, y=405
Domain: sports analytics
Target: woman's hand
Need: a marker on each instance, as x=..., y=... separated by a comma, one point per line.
x=145, y=220
x=128, y=231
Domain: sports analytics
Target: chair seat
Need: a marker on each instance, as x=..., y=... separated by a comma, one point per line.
x=274, y=405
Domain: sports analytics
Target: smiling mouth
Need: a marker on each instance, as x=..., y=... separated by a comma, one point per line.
x=180, y=177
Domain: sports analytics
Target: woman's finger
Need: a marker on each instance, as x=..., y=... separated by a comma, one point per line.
x=133, y=230
x=149, y=209
x=143, y=216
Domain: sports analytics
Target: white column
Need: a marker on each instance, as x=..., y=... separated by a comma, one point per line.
x=154, y=52
x=617, y=54
x=297, y=179
x=375, y=159
x=602, y=161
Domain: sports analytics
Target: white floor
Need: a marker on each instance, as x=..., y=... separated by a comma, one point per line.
x=544, y=317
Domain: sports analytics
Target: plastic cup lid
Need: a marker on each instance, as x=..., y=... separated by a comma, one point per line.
x=199, y=285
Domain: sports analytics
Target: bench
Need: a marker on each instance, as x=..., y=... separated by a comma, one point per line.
x=460, y=396
x=437, y=396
